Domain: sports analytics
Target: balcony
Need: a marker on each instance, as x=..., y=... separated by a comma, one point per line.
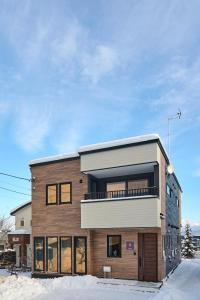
x=121, y=209
x=139, y=192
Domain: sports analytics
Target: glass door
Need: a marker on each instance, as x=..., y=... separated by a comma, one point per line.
x=80, y=255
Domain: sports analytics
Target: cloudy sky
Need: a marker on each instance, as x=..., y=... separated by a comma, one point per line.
x=79, y=72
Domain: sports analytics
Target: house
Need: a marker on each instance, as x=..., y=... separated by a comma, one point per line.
x=196, y=242
x=20, y=239
x=111, y=209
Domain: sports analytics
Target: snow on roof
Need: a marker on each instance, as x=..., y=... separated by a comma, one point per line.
x=21, y=206
x=20, y=231
x=121, y=142
x=53, y=158
x=115, y=143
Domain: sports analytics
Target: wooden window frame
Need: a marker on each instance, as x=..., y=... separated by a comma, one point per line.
x=71, y=254
x=75, y=238
x=48, y=185
x=120, y=238
x=47, y=237
x=42, y=238
x=60, y=184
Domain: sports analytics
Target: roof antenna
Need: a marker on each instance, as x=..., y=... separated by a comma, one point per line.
x=171, y=118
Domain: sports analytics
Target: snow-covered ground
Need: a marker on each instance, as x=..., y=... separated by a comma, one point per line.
x=183, y=284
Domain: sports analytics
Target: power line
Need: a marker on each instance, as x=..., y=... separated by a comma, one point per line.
x=13, y=191
x=15, y=185
x=14, y=176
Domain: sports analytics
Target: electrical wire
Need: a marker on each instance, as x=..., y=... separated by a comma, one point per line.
x=14, y=176
x=13, y=191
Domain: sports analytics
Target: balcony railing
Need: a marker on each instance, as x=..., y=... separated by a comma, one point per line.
x=150, y=191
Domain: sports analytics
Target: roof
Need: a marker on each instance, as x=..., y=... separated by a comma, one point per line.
x=96, y=147
x=53, y=158
x=142, y=139
x=16, y=209
x=119, y=143
x=20, y=231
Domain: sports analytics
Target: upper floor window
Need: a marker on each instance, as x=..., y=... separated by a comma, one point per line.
x=114, y=245
x=51, y=194
x=169, y=191
x=65, y=192
x=22, y=223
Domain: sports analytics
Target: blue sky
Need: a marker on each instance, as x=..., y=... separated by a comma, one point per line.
x=79, y=72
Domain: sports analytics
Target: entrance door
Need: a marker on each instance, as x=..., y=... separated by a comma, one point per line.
x=29, y=255
x=17, y=248
x=147, y=256
x=80, y=255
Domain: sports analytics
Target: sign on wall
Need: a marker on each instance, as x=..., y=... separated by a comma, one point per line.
x=15, y=239
x=129, y=245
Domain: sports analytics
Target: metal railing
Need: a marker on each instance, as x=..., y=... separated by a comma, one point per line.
x=150, y=191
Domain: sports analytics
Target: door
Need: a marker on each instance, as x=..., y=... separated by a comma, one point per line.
x=80, y=255
x=17, y=248
x=29, y=255
x=147, y=256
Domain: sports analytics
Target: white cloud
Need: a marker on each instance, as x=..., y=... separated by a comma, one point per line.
x=103, y=61
x=195, y=226
x=32, y=124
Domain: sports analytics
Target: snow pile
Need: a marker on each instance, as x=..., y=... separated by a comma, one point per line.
x=183, y=284
x=27, y=288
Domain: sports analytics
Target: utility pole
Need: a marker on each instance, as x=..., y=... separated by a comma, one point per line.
x=171, y=118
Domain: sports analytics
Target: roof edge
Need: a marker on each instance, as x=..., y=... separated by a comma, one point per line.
x=13, y=212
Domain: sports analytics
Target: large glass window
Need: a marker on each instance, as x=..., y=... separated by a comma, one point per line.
x=52, y=254
x=65, y=192
x=137, y=184
x=114, y=246
x=66, y=254
x=115, y=189
x=80, y=255
x=51, y=194
x=39, y=254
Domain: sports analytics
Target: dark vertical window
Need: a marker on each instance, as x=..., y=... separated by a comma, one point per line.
x=39, y=254
x=52, y=254
x=22, y=223
x=65, y=192
x=80, y=252
x=66, y=255
x=114, y=245
x=51, y=194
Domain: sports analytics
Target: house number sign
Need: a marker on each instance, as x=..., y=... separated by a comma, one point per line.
x=129, y=245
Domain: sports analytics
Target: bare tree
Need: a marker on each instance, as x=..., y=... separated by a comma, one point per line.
x=6, y=225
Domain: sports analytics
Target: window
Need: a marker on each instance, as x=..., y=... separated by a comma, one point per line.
x=169, y=191
x=22, y=223
x=115, y=189
x=138, y=184
x=66, y=255
x=52, y=254
x=80, y=250
x=65, y=192
x=39, y=254
x=51, y=194
x=114, y=246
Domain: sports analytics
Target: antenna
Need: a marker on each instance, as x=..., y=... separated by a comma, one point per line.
x=171, y=118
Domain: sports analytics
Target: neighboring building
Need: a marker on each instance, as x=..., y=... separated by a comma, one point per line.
x=20, y=239
x=3, y=240
x=196, y=242
x=110, y=207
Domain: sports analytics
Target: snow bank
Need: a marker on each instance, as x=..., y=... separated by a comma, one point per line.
x=184, y=283
x=26, y=288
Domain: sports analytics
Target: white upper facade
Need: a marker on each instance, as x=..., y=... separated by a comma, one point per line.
x=23, y=218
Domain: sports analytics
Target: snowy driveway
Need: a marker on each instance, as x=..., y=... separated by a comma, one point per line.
x=184, y=284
